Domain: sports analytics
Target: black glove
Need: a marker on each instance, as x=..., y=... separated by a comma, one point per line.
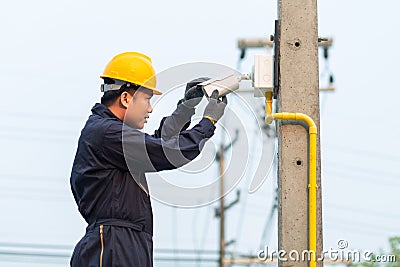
x=215, y=107
x=193, y=92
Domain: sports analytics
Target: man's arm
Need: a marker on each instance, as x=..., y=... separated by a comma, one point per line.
x=177, y=122
x=180, y=118
x=127, y=148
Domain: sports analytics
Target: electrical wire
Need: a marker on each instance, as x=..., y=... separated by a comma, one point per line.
x=360, y=226
x=245, y=197
x=361, y=174
x=363, y=169
x=204, y=236
x=36, y=246
x=50, y=255
x=268, y=228
x=363, y=152
x=206, y=227
x=364, y=211
x=29, y=139
x=44, y=116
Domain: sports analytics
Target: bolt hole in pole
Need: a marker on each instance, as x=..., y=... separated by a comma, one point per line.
x=297, y=44
x=298, y=162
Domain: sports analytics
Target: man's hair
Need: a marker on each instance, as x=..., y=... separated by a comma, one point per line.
x=110, y=97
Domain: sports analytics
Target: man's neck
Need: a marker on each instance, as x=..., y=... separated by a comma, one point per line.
x=117, y=111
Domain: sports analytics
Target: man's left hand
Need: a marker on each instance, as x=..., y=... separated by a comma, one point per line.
x=193, y=92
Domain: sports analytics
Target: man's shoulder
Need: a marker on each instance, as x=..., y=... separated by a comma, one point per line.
x=98, y=126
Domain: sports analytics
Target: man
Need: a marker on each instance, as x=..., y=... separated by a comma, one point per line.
x=108, y=174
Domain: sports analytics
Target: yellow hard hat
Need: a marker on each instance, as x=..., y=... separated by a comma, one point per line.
x=132, y=67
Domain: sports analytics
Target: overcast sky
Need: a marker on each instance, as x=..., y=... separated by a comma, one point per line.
x=51, y=56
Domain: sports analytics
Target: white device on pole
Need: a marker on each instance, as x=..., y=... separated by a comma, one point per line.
x=225, y=84
x=263, y=80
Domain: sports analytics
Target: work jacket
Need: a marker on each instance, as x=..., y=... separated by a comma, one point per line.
x=109, y=184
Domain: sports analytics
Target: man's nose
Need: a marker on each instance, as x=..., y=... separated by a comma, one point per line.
x=150, y=110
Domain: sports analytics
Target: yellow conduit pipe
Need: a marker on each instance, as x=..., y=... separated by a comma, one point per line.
x=312, y=183
x=268, y=107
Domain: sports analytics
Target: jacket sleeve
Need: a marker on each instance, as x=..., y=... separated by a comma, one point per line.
x=130, y=149
x=177, y=122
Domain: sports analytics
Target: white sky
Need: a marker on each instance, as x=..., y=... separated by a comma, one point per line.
x=52, y=53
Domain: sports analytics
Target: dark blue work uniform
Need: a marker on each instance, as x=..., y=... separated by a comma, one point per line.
x=116, y=206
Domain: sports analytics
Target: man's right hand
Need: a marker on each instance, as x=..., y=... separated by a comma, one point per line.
x=215, y=107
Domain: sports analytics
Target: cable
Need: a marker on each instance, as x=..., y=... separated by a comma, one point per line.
x=22, y=177
x=367, y=229
x=364, y=152
x=36, y=246
x=32, y=196
x=364, y=211
x=269, y=222
x=185, y=259
x=205, y=231
x=68, y=255
x=367, y=225
x=368, y=171
x=49, y=247
x=52, y=253
x=376, y=180
x=53, y=139
x=244, y=199
x=58, y=117
x=35, y=254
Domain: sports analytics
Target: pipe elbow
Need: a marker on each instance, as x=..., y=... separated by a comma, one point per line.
x=312, y=127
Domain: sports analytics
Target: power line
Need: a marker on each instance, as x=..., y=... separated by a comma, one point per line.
x=205, y=231
x=359, y=229
x=358, y=224
x=22, y=177
x=207, y=255
x=368, y=171
x=376, y=180
x=51, y=116
x=32, y=196
x=52, y=139
x=35, y=245
x=363, y=152
x=365, y=211
x=185, y=259
x=14, y=245
x=269, y=222
x=35, y=254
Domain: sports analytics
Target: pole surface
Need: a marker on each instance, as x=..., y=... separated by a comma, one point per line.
x=298, y=92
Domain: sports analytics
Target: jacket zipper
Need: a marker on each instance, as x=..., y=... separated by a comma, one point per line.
x=141, y=186
x=102, y=245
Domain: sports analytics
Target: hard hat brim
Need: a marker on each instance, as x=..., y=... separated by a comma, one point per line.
x=155, y=91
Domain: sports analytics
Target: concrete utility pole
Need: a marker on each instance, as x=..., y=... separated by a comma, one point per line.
x=298, y=92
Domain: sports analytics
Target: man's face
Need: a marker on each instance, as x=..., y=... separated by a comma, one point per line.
x=139, y=108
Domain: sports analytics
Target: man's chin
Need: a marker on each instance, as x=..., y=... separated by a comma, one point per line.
x=133, y=125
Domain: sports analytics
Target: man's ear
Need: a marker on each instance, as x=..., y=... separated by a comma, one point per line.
x=124, y=99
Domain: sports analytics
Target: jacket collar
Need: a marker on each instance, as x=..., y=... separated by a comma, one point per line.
x=103, y=111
